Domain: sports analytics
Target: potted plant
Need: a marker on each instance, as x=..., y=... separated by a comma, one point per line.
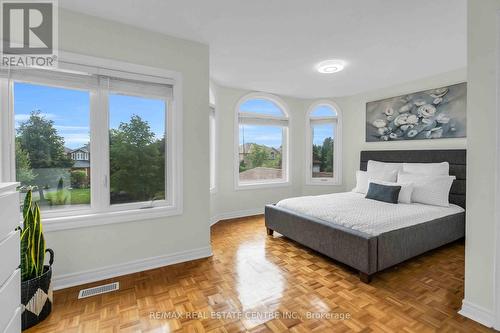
x=36, y=289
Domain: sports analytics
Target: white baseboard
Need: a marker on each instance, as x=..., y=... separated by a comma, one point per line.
x=236, y=214
x=78, y=278
x=477, y=313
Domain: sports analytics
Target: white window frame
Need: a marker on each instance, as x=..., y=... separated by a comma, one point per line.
x=100, y=211
x=262, y=119
x=337, y=157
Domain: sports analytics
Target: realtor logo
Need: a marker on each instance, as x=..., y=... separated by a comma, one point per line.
x=29, y=33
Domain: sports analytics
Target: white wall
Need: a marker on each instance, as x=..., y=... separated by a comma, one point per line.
x=354, y=108
x=93, y=248
x=481, y=159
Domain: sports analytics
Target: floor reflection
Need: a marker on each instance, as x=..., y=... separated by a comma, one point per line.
x=259, y=281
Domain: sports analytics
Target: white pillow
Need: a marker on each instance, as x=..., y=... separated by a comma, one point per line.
x=431, y=169
x=430, y=190
x=376, y=166
x=404, y=193
x=363, y=179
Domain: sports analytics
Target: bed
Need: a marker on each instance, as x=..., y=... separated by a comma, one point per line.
x=372, y=247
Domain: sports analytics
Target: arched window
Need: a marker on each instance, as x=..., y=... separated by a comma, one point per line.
x=323, y=144
x=261, y=141
x=213, y=139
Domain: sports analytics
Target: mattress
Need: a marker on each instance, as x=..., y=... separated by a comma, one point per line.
x=352, y=210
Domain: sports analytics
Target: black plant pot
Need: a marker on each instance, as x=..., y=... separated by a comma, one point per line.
x=36, y=296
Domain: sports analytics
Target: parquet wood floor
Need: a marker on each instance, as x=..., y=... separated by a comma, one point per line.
x=278, y=286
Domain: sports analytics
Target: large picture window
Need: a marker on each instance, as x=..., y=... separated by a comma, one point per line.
x=92, y=143
x=323, y=144
x=261, y=149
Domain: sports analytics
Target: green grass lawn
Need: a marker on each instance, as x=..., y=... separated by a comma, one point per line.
x=77, y=196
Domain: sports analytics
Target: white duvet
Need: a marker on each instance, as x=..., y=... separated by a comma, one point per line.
x=352, y=210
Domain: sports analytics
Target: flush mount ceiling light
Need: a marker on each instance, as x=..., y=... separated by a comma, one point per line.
x=330, y=66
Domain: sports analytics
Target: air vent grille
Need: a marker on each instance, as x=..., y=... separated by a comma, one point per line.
x=99, y=290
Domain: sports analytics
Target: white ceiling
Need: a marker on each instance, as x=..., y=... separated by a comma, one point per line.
x=273, y=45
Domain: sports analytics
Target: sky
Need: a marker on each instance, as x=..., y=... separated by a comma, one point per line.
x=271, y=136
x=323, y=111
x=258, y=105
x=70, y=110
x=321, y=132
x=123, y=107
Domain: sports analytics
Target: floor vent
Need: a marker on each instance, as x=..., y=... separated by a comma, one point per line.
x=99, y=290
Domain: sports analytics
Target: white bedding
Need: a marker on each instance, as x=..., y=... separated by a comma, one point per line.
x=352, y=210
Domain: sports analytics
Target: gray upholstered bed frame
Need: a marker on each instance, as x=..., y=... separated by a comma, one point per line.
x=370, y=254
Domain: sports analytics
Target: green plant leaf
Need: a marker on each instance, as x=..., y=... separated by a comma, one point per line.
x=27, y=205
x=38, y=242
x=25, y=260
x=31, y=251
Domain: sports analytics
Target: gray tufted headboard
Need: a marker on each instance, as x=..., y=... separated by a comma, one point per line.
x=456, y=157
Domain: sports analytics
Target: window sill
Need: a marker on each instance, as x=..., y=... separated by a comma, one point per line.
x=254, y=186
x=324, y=182
x=104, y=218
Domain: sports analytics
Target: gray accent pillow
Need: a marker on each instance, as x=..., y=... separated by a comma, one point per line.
x=385, y=193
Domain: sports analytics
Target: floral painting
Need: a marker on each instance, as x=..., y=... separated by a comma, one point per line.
x=431, y=114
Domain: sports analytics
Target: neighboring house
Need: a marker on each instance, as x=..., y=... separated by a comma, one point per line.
x=317, y=173
x=273, y=153
x=316, y=166
x=81, y=157
x=247, y=148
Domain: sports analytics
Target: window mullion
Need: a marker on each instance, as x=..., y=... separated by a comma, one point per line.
x=262, y=121
x=99, y=157
x=104, y=140
x=323, y=121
